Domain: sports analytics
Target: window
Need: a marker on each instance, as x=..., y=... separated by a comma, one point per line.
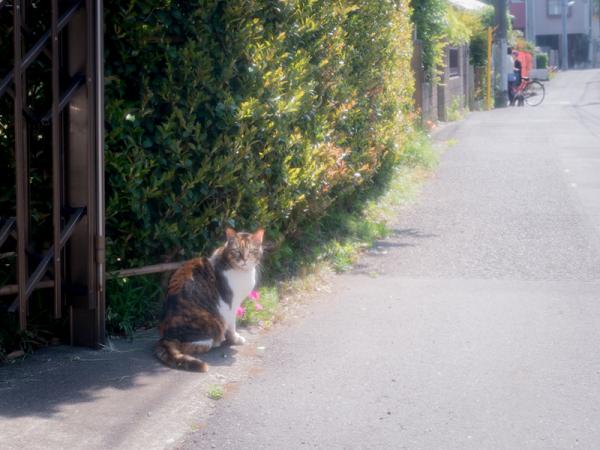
x=554, y=8
x=453, y=62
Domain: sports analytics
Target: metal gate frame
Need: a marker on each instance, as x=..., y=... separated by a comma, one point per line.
x=74, y=265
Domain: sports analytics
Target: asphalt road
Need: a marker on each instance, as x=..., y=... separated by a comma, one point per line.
x=477, y=325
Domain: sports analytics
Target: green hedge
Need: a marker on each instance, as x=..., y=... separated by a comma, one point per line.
x=245, y=111
x=431, y=23
x=541, y=60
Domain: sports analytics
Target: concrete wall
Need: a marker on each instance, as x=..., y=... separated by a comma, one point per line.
x=429, y=109
x=425, y=95
x=434, y=101
x=451, y=95
x=453, y=90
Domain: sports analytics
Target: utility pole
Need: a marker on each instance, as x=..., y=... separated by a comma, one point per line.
x=530, y=20
x=500, y=51
x=564, y=54
x=590, y=34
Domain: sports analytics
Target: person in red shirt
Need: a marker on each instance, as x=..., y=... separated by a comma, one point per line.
x=514, y=84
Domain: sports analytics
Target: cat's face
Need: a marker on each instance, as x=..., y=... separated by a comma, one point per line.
x=243, y=250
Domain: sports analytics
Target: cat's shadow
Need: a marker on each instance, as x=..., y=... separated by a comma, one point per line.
x=220, y=356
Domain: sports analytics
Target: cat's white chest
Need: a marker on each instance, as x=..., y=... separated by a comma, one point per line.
x=241, y=284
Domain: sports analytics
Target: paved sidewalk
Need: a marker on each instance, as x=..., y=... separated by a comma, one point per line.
x=119, y=398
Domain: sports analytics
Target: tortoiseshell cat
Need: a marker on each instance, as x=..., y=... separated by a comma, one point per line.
x=202, y=299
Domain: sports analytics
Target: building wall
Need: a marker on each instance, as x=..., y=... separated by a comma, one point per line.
x=577, y=19
x=596, y=41
x=517, y=10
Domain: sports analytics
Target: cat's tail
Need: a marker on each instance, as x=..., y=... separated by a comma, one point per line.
x=170, y=353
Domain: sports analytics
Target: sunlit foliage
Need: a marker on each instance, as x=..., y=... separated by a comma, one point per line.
x=245, y=111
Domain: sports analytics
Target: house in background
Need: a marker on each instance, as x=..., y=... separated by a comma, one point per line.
x=541, y=23
x=516, y=9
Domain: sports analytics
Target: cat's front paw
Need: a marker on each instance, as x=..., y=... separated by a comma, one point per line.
x=238, y=339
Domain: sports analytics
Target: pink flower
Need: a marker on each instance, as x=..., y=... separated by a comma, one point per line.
x=258, y=306
x=254, y=295
x=240, y=311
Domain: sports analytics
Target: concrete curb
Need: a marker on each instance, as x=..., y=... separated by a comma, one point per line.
x=446, y=130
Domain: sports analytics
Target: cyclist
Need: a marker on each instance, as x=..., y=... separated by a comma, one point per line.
x=510, y=75
x=517, y=69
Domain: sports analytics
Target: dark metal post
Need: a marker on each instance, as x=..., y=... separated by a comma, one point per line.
x=83, y=188
x=100, y=240
x=56, y=162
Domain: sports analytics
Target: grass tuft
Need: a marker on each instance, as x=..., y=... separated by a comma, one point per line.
x=215, y=392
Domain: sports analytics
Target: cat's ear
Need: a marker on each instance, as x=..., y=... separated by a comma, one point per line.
x=230, y=233
x=257, y=236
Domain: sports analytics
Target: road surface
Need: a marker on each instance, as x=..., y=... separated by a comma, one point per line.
x=477, y=325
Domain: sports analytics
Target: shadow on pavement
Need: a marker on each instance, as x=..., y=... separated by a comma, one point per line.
x=398, y=238
x=56, y=376
x=410, y=233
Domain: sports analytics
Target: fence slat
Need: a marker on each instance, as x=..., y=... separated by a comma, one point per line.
x=146, y=270
x=6, y=229
x=56, y=162
x=21, y=168
x=42, y=267
x=70, y=226
x=76, y=82
x=13, y=289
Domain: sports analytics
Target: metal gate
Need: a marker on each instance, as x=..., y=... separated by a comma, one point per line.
x=68, y=52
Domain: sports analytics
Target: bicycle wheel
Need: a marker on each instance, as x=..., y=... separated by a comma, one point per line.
x=534, y=93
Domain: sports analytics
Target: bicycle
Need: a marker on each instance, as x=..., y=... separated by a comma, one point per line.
x=529, y=91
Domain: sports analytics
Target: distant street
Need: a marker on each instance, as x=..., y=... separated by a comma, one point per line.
x=476, y=326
